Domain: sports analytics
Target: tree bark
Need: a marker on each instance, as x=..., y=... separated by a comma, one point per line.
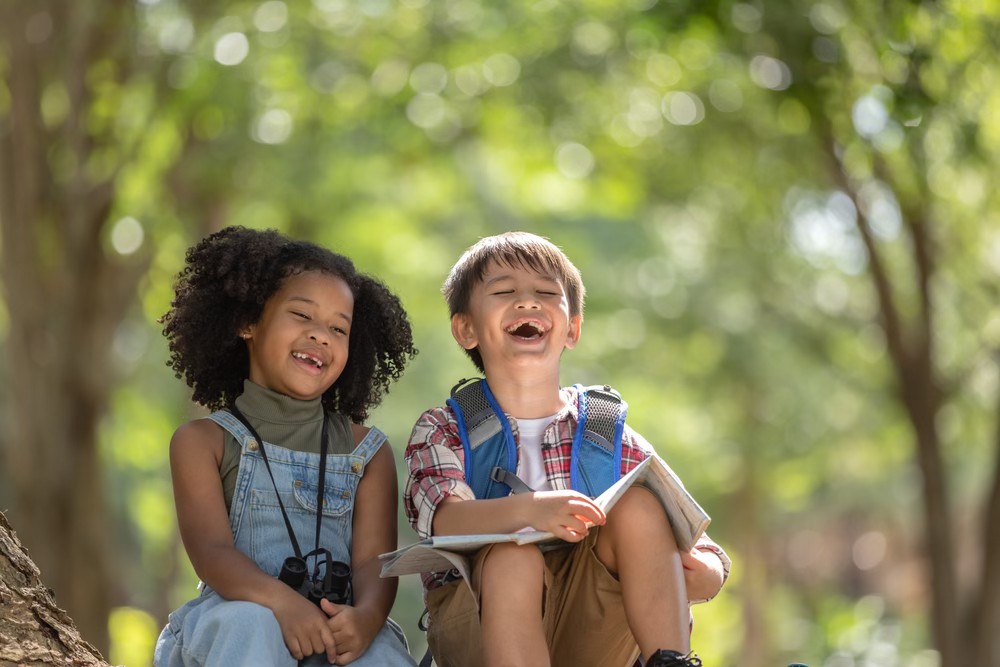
x=33, y=629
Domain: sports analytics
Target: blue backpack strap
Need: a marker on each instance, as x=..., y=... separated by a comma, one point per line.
x=596, y=459
x=487, y=439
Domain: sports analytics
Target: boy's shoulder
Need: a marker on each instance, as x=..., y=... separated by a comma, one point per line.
x=434, y=426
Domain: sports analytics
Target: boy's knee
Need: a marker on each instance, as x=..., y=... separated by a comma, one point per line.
x=636, y=519
x=507, y=558
x=637, y=504
x=509, y=552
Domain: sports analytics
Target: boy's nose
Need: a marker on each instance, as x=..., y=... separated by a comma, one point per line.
x=528, y=301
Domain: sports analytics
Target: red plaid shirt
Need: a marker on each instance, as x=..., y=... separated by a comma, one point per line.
x=436, y=462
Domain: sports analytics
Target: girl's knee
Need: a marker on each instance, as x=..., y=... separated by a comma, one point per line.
x=238, y=617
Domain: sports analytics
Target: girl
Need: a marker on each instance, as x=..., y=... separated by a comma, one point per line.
x=292, y=347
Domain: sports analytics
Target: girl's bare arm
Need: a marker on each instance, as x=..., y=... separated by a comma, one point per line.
x=195, y=455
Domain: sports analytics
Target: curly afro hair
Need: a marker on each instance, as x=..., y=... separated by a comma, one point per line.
x=227, y=279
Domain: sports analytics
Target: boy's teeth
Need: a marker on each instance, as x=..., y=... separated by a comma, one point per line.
x=526, y=329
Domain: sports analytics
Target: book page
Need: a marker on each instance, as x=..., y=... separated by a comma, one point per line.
x=441, y=553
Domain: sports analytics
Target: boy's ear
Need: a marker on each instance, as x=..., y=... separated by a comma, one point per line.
x=462, y=330
x=574, y=331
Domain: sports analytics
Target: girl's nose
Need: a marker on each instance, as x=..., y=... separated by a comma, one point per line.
x=320, y=335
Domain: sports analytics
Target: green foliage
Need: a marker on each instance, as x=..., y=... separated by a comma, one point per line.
x=685, y=156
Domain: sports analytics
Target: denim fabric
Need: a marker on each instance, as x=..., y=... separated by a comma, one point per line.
x=210, y=630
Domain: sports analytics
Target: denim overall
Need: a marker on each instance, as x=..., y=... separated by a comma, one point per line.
x=210, y=630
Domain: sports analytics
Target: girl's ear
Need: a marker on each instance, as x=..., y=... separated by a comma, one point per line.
x=574, y=331
x=463, y=331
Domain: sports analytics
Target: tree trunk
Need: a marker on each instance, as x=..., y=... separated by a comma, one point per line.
x=33, y=630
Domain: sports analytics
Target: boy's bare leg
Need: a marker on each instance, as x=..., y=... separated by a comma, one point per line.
x=510, y=603
x=638, y=546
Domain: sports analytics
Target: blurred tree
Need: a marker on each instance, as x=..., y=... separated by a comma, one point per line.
x=66, y=286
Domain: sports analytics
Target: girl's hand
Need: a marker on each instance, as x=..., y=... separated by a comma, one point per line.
x=353, y=630
x=702, y=574
x=304, y=627
x=566, y=514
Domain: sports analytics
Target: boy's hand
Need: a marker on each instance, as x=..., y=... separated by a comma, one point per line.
x=702, y=574
x=353, y=630
x=566, y=514
x=303, y=627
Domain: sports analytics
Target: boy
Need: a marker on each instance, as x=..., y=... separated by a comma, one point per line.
x=620, y=587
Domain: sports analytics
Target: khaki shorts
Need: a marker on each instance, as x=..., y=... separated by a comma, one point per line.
x=584, y=617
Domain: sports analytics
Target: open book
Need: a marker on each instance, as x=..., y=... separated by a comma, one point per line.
x=445, y=552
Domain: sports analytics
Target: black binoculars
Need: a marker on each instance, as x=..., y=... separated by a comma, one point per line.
x=333, y=584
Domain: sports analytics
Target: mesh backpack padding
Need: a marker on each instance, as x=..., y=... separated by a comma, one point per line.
x=603, y=409
x=474, y=405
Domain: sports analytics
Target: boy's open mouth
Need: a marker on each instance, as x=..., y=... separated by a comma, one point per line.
x=309, y=359
x=527, y=330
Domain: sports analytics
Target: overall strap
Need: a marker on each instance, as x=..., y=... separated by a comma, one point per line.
x=369, y=445
x=324, y=449
x=487, y=440
x=596, y=459
x=234, y=426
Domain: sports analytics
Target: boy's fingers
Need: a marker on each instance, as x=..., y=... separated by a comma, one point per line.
x=589, y=512
x=689, y=560
x=570, y=535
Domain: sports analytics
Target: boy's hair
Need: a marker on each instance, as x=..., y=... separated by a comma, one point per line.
x=515, y=250
x=227, y=279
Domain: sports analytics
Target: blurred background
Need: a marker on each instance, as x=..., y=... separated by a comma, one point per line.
x=782, y=212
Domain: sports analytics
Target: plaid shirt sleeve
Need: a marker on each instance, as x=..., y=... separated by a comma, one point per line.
x=635, y=450
x=436, y=464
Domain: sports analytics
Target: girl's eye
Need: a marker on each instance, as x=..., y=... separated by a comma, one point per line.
x=501, y=292
x=338, y=330
x=302, y=315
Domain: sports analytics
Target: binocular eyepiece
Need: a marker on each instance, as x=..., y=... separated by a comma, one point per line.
x=333, y=584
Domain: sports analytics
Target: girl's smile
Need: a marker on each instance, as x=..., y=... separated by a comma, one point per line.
x=299, y=346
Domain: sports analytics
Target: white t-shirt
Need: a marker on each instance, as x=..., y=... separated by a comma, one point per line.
x=530, y=467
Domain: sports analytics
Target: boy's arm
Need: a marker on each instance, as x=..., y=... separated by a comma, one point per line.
x=436, y=485
x=566, y=514
x=436, y=471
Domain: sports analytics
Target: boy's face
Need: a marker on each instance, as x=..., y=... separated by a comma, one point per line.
x=518, y=318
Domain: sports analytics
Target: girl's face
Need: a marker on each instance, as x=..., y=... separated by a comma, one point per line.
x=299, y=346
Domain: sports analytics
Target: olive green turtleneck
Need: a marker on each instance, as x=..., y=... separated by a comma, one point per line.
x=284, y=421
